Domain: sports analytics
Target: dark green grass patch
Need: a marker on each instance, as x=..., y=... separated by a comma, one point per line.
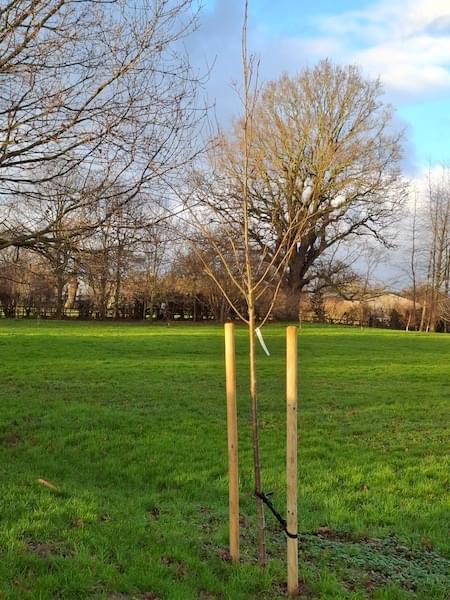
x=128, y=423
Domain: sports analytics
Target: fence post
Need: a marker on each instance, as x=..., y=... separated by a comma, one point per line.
x=233, y=481
x=291, y=459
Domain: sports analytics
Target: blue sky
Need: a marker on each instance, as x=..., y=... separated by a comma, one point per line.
x=404, y=42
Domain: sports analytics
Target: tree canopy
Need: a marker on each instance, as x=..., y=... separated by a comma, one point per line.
x=324, y=165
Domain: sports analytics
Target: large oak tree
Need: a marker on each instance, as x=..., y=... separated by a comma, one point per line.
x=323, y=166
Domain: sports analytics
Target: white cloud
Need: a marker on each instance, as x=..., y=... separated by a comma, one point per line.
x=405, y=43
x=416, y=66
x=434, y=175
x=386, y=18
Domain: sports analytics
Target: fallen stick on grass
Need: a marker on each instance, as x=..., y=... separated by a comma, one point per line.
x=47, y=484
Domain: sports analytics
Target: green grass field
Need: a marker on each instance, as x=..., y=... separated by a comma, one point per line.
x=128, y=422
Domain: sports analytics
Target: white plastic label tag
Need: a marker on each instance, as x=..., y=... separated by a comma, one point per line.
x=261, y=340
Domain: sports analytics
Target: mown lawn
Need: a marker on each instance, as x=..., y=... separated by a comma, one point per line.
x=128, y=422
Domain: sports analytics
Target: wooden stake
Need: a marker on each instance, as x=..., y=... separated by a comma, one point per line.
x=291, y=459
x=233, y=481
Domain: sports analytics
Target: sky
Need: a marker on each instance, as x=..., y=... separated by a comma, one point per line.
x=404, y=42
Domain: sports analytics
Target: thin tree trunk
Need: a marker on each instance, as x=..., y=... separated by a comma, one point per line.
x=255, y=441
x=299, y=305
x=249, y=285
x=103, y=300
x=59, y=296
x=446, y=286
x=413, y=266
x=118, y=284
x=424, y=311
x=427, y=292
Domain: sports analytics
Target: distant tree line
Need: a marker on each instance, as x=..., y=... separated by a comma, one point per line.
x=151, y=280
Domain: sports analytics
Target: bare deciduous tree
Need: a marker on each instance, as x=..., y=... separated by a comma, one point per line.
x=436, y=304
x=100, y=86
x=323, y=166
x=155, y=246
x=413, y=265
x=364, y=288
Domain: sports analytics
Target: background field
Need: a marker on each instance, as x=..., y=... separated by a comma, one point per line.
x=128, y=422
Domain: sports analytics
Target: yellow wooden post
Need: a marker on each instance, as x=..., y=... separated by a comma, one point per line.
x=291, y=459
x=233, y=481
